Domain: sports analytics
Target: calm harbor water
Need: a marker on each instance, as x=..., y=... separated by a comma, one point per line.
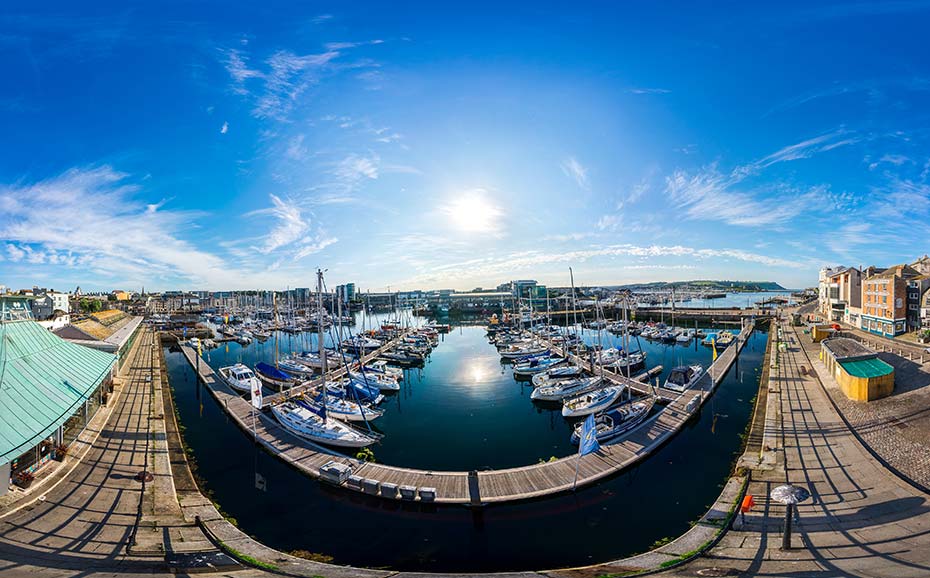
x=462, y=411
x=732, y=300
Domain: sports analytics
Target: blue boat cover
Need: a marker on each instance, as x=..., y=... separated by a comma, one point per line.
x=271, y=371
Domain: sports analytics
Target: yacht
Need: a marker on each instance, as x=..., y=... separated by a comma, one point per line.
x=684, y=377
x=240, y=377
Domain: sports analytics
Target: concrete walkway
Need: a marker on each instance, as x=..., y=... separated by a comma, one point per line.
x=861, y=521
x=82, y=525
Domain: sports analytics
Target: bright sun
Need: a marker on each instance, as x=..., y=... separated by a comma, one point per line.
x=473, y=213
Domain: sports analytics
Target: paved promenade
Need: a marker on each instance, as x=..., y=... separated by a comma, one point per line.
x=862, y=520
x=82, y=525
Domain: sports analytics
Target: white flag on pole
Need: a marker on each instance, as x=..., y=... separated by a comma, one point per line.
x=256, y=394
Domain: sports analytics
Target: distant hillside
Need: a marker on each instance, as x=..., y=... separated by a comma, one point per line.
x=708, y=285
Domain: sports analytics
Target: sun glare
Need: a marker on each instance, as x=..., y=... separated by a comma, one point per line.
x=473, y=213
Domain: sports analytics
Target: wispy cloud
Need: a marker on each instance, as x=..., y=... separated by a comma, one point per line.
x=289, y=227
x=347, y=45
x=645, y=90
x=321, y=18
x=115, y=236
x=575, y=171
x=490, y=268
x=709, y=194
x=285, y=77
x=225, y=128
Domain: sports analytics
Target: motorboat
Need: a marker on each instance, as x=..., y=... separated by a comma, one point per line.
x=685, y=336
x=683, y=377
x=239, y=377
x=592, y=401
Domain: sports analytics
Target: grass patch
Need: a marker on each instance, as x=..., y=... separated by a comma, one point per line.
x=248, y=559
x=314, y=556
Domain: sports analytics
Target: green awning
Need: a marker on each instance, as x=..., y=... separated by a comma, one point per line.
x=44, y=380
x=867, y=368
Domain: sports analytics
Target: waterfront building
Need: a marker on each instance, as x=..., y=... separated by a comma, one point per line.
x=916, y=287
x=111, y=331
x=861, y=375
x=827, y=291
x=346, y=292
x=884, y=301
x=49, y=390
x=925, y=309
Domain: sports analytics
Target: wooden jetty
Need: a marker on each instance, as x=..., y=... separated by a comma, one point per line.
x=477, y=488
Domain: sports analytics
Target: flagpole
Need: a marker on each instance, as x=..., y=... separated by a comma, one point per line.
x=577, y=463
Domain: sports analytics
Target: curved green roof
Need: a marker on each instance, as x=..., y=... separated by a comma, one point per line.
x=43, y=382
x=867, y=368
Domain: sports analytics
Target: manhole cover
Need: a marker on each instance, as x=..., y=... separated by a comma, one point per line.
x=144, y=476
x=715, y=571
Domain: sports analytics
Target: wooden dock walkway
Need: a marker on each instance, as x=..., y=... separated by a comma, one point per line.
x=483, y=487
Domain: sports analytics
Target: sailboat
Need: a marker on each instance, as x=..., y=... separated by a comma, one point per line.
x=593, y=401
x=615, y=422
x=274, y=377
x=555, y=374
x=313, y=422
x=566, y=388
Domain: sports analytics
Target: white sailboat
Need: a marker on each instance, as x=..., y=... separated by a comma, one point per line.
x=592, y=402
x=313, y=422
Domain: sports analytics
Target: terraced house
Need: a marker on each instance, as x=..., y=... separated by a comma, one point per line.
x=885, y=300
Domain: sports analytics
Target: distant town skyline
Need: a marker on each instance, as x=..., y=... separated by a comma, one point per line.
x=421, y=146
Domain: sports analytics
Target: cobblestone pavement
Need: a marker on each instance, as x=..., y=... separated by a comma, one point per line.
x=897, y=428
x=862, y=520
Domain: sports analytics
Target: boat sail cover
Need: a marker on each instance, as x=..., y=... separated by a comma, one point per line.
x=271, y=371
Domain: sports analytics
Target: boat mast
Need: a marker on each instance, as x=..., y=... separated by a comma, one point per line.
x=319, y=336
x=574, y=309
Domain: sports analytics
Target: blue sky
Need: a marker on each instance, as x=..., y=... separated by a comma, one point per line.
x=409, y=145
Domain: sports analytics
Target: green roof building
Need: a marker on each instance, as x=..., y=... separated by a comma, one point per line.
x=49, y=389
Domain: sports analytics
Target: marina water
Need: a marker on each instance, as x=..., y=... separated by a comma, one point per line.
x=463, y=410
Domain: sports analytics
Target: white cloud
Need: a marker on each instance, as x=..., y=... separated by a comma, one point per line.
x=314, y=246
x=711, y=195
x=321, y=18
x=295, y=148
x=289, y=227
x=644, y=90
x=491, y=267
x=114, y=236
x=225, y=128
x=576, y=171
x=348, y=45
x=14, y=253
x=355, y=168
